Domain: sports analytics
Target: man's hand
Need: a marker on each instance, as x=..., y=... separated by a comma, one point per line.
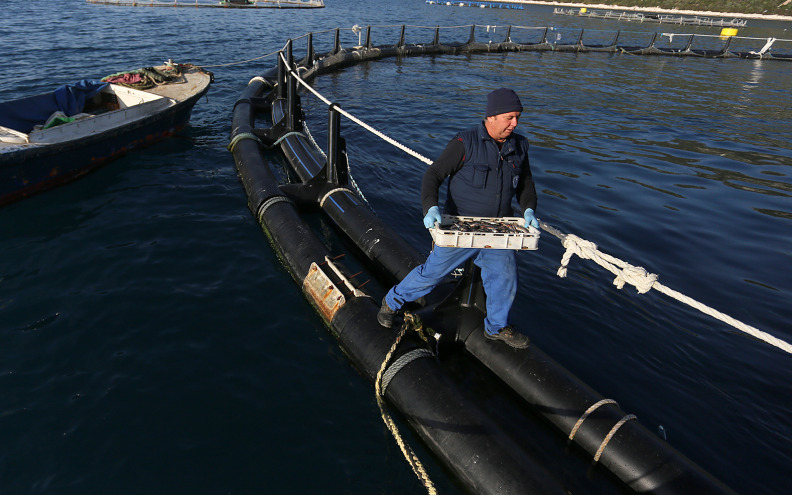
x=530, y=219
x=432, y=216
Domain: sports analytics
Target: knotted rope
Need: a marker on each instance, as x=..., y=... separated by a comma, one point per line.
x=644, y=282
x=411, y=322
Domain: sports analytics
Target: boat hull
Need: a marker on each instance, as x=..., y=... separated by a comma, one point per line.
x=28, y=169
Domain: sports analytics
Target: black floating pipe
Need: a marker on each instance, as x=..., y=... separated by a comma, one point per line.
x=463, y=436
x=377, y=241
x=670, y=477
x=634, y=455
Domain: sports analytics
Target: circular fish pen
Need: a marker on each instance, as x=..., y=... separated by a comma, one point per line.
x=267, y=126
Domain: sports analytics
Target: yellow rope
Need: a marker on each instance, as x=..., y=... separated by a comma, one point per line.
x=410, y=322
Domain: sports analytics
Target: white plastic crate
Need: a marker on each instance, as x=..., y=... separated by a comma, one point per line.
x=445, y=237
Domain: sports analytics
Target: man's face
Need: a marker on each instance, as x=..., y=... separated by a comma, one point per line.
x=501, y=126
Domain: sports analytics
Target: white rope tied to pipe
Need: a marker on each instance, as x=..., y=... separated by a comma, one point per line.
x=767, y=46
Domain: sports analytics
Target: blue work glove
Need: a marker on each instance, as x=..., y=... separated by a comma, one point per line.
x=432, y=216
x=530, y=219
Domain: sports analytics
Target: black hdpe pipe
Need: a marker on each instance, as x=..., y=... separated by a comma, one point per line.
x=634, y=454
x=470, y=444
x=379, y=242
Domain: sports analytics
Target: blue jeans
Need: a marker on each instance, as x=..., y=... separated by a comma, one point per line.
x=498, y=273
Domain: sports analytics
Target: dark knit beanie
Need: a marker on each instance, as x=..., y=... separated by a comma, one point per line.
x=503, y=100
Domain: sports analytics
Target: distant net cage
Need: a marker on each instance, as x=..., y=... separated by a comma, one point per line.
x=234, y=4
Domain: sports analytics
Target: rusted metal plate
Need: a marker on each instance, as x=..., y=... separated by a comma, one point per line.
x=327, y=297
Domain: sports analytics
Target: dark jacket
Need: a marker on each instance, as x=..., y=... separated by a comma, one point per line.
x=483, y=178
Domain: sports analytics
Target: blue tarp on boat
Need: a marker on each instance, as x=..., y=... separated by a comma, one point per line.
x=21, y=115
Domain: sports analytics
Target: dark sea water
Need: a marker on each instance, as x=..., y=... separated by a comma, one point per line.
x=151, y=342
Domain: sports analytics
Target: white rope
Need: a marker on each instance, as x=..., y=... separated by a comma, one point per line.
x=643, y=282
x=357, y=120
x=767, y=46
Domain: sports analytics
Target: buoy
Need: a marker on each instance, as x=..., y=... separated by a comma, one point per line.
x=583, y=10
x=729, y=32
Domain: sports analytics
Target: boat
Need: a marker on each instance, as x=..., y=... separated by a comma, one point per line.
x=329, y=239
x=53, y=138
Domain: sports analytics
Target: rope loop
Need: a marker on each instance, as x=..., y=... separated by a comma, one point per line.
x=574, y=245
x=585, y=415
x=411, y=322
x=239, y=137
x=610, y=435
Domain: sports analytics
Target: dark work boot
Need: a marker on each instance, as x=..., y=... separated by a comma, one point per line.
x=385, y=315
x=510, y=336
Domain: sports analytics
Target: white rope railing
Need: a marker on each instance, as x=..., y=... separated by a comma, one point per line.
x=355, y=119
x=625, y=273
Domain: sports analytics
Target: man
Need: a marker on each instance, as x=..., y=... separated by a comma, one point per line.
x=486, y=166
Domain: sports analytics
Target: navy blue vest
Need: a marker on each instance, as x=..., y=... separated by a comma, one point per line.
x=487, y=181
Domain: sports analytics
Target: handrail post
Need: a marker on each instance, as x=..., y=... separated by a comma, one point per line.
x=368, y=37
x=726, y=46
x=333, y=133
x=309, y=58
x=401, y=37
x=337, y=47
x=281, y=76
x=615, y=39
x=472, y=34
x=291, y=96
x=652, y=43
x=507, y=39
x=580, y=39
x=436, y=36
x=689, y=43
x=544, y=37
